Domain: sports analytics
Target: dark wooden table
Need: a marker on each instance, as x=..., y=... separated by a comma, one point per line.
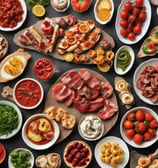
x=16, y=141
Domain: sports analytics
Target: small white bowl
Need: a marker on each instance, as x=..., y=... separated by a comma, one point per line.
x=145, y=144
x=118, y=70
x=86, y=138
x=111, y=13
x=23, y=4
x=42, y=146
x=14, y=132
x=31, y=159
x=62, y=10
x=28, y=107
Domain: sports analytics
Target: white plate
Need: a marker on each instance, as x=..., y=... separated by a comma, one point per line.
x=111, y=13
x=118, y=70
x=23, y=4
x=137, y=73
x=14, y=132
x=144, y=27
x=31, y=159
x=111, y=139
x=43, y=146
x=130, y=142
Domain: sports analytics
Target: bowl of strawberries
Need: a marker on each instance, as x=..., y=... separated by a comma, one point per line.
x=139, y=127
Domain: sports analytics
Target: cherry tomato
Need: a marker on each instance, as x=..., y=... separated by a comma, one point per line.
x=137, y=29
x=153, y=124
x=139, y=3
x=132, y=117
x=128, y=124
x=138, y=139
x=148, y=116
x=128, y=6
x=147, y=136
x=142, y=16
x=129, y=133
x=123, y=32
x=141, y=128
x=123, y=23
x=131, y=36
x=140, y=115
x=151, y=131
x=124, y=14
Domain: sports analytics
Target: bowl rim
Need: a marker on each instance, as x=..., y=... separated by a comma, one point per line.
x=39, y=102
x=15, y=131
x=43, y=146
x=145, y=144
x=23, y=4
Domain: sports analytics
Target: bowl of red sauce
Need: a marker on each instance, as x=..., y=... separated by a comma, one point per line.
x=39, y=132
x=28, y=93
x=2, y=153
x=43, y=69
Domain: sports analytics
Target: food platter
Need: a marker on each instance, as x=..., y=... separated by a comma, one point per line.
x=108, y=124
x=137, y=73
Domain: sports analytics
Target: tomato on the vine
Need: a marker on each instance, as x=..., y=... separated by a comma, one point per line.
x=142, y=16
x=139, y=3
x=131, y=36
x=123, y=32
x=123, y=23
x=124, y=14
x=128, y=6
x=137, y=29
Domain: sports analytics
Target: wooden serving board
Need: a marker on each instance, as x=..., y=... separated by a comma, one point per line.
x=64, y=133
x=55, y=54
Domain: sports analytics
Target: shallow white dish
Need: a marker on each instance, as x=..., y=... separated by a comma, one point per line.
x=145, y=144
x=62, y=10
x=86, y=138
x=137, y=72
x=42, y=146
x=14, y=132
x=31, y=159
x=31, y=107
x=118, y=70
x=111, y=139
x=144, y=27
x=111, y=13
x=23, y=4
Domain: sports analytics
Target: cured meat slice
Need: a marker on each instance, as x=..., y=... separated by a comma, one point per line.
x=76, y=83
x=30, y=38
x=81, y=103
x=23, y=40
x=154, y=83
x=96, y=104
x=106, y=89
x=93, y=94
x=60, y=92
x=84, y=74
x=70, y=99
x=108, y=110
x=149, y=69
x=94, y=82
x=66, y=79
x=148, y=92
x=140, y=85
x=84, y=90
x=154, y=99
x=49, y=135
x=145, y=78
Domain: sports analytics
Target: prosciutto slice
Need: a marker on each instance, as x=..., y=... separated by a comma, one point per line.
x=93, y=82
x=84, y=74
x=106, y=89
x=96, y=104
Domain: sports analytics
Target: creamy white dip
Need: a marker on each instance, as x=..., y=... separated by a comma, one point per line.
x=91, y=127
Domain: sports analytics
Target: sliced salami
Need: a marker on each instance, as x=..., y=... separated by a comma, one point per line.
x=106, y=89
x=84, y=74
x=93, y=82
x=70, y=99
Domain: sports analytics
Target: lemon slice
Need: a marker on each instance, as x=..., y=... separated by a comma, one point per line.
x=38, y=10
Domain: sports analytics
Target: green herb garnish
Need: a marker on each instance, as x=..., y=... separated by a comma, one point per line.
x=25, y=93
x=32, y=3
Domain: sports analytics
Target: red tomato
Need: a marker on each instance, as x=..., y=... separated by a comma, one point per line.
x=131, y=36
x=153, y=124
x=132, y=117
x=124, y=14
x=151, y=131
x=139, y=3
x=141, y=128
x=123, y=32
x=148, y=116
x=137, y=29
x=138, y=139
x=128, y=124
x=129, y=133
x=80, y=5
x=123, y=23
x=128, y=6
x=135, y=11
x=142, y=16
x=140, y=115
x=147, y=136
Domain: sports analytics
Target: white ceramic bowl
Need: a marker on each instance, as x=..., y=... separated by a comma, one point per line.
x=111, y=139
x=31, y=158
x=145, y=144
x=118, y=70
x=23, y=4
x=144, y=27
x=14, y=132
x=62, y=10
x=86, y=138
x=28, y=107
x=42, y=146
x=111, y=13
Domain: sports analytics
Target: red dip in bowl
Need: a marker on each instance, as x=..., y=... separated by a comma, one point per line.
x=28, y=93
x=43, y=69
x=2, y=153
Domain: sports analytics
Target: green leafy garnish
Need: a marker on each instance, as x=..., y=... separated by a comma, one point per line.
x=25, y=93
x=32, y=3
x=9, y=119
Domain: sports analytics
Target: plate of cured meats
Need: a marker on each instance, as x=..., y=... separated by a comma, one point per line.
x=83, y=91
x=145, y=81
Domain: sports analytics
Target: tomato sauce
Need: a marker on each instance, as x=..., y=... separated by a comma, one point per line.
x=2, y=153
x=28, y=93
x=11, y=13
